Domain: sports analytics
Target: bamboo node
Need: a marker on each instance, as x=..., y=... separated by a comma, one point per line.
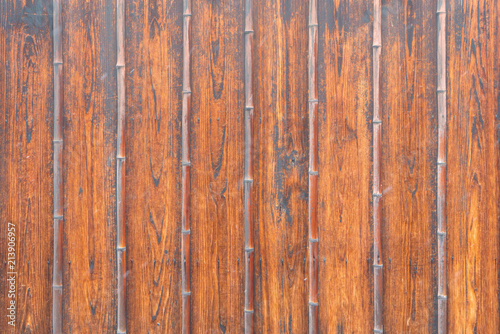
x=249, y=250
x=186, y=231
x=58, y=217
x=441, y=163
x=120, y=65
x=186, y=14
x=442, y=297
x=378, y=266
x=314, y=304
x=248, y=32
x=441, y=90
x=58, y=62
x=377, y=122
x=57, y=287
x=186, y=92
x=377, y=195
x=376, y=46
x=441, y=12
x=186, y=163
x=313, y=101
x=55, y=141
x=249, y=311
x=248, y=180
x=441, y=234
x=120, y=158
x=186, y=293
x=121, y=249
x=248, y=107
x=312, y=172
x=313, y=24
x=313, y=240
x=378, y=331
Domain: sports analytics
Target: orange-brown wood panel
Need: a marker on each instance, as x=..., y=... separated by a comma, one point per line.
x=26, y=164
x=344, y=193
x=153, y=183
x=281, y=165
x=89, y=164
x=217, y=167
x=409, y=156
x=473, y=170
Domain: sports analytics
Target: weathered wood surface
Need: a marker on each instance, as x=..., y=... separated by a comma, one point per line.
x=473, y=205
x=344, y=187
x=153, y=60
x=244, y=76
x=26, y=124
x=89, y=166
x=408, y=167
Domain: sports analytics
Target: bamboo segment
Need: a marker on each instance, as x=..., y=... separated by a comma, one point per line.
x=441, y=167
x=248, y=181
x=186, y=169
x=120, y=170
x=313, y=167
x=57, y=281
x=377, y=189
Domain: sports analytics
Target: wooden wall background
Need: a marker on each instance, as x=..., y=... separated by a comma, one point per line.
x=223, y=103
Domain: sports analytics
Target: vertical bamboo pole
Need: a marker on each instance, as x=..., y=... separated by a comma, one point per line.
x=186, y=169
x=248, y=181
x=121, y=257
x=313, y=168
x=377, y=189
x=57, y=278
x=441, y=166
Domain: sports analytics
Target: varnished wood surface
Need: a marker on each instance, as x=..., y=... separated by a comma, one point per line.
x=217, y=167
x=344, y=193
x=473, y=172
x=281, y=166
x=153, y=182
x=226, y=74
x=26, y=161
x=89, y=166
x=409, y=149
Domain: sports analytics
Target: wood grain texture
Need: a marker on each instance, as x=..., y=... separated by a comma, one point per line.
x=344, y=185
x=26, y=161
x=408, y=167
x=281, y=165
x=217, y=167
x=153, y=183
x=89, y=162
x=473, y=170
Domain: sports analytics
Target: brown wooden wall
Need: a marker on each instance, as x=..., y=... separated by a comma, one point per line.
x=230, y=166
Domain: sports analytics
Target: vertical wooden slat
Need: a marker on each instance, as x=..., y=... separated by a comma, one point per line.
x=217, y=158
x=186, y=170
x=441, y=167
x=313, y=167
x=57, y=278
x=90, y=119
x=408, y=166
x=281, y=166
x=121, y=258
x=345, y=271
x=26, y=182
x=378, y=326
x=472, y=98
x=153, y=56
x=248, y=178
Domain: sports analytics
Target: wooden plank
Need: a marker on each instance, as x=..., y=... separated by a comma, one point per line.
x=473, y=166
x=281, y=165
x=344, y=185
x=89, y=163
x=26, y=163
x=217, y=172
x=409, y=156
x=153, y=183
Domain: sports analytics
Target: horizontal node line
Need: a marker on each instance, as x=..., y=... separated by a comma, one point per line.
x=187, y=14
x=441, y=163
x=186, y=163
x=186, y=91
x=57, y=287
x=186, y=293
x=441, y=90
x=378, y=331
x=120, y=158
x=378, y=266
x=249, y=108
x=57, y=141
x=313, y=24
x=313, y=304
x=377, y=122
x=58, y=217
x=442, y=297
x=376, y=46
x=249, y=311
x=313, y=240
x=121, y=249
x=249, y=250
x=377, y=195
x=57, y=63
x=248, y=180
x=186, y=231
x=120, y=65
x=313, y=101
x=248, y=32
x=441, y=233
